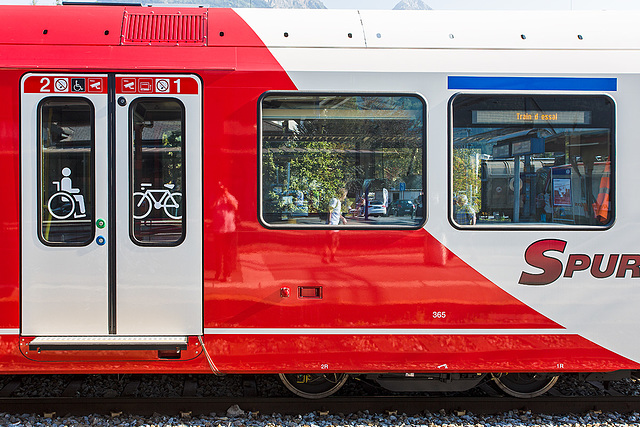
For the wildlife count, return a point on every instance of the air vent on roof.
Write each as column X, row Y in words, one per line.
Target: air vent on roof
column 165, row 28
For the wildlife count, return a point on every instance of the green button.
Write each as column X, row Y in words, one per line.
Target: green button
column 100, row 223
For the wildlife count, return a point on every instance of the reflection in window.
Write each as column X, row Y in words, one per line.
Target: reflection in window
column 553, row 152
column 66, row 171
column 316, row 146
column 157, row 193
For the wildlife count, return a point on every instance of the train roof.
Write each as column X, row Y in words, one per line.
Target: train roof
column 295, row 28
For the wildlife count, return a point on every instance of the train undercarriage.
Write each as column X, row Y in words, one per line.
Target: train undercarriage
column 521, row 385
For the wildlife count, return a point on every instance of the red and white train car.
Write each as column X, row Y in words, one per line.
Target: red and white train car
column 448, row 195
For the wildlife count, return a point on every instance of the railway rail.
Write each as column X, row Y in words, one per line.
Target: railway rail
column 390, row 405
column 181, row 396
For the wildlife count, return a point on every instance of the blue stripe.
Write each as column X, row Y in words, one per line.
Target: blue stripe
column 534, row 83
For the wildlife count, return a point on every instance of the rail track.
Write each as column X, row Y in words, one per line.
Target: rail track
column 190, row 406
column 182, row 396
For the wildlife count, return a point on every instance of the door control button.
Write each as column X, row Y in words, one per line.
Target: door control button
column 100, row 240
column 100, row 223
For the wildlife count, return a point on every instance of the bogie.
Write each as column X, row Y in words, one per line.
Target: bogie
column 314, row 386
column 525, row 385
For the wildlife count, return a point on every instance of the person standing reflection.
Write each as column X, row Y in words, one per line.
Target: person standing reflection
column 335, row 208
column 463, row 213
column 335, row 218
column 224, row 225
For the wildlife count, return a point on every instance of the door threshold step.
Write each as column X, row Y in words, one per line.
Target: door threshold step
column 107, row 342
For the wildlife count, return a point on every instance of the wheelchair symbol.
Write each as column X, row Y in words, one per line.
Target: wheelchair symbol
column 78, row 85
column 66, row 200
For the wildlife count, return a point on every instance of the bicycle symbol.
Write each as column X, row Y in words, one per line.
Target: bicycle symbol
column 148, row 199
column 62, row 204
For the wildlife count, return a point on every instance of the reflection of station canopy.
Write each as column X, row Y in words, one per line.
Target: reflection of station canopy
column 499, row 137
column 584, row 145
column 548, row 140
column 368, row 144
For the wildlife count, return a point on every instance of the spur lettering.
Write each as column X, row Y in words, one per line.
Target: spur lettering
column 540, row 255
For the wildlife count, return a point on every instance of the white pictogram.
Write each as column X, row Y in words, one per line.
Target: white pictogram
column 95, row 85
column 61, row 85
column 162, row 85
column 62, row 204
column 148, row 199
column 128, row 85
column 78, row 85
column 145, row 85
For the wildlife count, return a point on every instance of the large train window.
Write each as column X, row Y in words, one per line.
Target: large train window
column 532, row 160
column 66, row 171
column 330, row 160
column 158, row 173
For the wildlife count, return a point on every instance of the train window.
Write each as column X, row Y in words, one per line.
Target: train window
column 157, row 172
column 342, row 160
column 554, row 152
column 66, row 171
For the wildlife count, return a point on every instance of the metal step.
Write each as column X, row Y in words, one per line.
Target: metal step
column 109, row 343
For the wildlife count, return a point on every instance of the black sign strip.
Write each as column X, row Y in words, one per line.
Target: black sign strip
column 111, row 149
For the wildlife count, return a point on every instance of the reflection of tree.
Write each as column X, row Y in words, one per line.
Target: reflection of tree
column 312, row 167
column 173, row 159
column 466, row 178
column 352, row 139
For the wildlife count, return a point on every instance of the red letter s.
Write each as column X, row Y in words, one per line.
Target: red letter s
column 551, row 267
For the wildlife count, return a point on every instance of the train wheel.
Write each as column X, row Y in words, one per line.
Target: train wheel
column 525, row 385
column 314, row 386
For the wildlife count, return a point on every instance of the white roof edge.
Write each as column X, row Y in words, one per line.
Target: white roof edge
column 444, row 29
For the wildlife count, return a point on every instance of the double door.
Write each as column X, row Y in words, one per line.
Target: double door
column 111, row 210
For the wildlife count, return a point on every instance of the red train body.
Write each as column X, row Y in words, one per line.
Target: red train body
column 379, row 296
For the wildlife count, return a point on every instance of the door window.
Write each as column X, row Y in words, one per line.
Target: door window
column 66, row 171
column 158, row 173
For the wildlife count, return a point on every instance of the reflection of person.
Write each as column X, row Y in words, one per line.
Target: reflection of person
column 540, row 205
column 463, row 213
column 335, row 218
column 335, row 208
column 67, row 185
column 359, row 209
column 225, row 217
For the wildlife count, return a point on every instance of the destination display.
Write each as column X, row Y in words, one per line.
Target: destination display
column 508, row 117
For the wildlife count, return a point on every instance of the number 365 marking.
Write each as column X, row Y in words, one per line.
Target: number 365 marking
column 439, row 314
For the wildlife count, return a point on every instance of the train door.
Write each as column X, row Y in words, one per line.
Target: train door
column 159, row 205
column 111, row 210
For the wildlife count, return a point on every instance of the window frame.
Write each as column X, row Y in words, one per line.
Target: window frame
column 39, row 170
column 130, row 175
column 531, row 226
column 286, row 226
